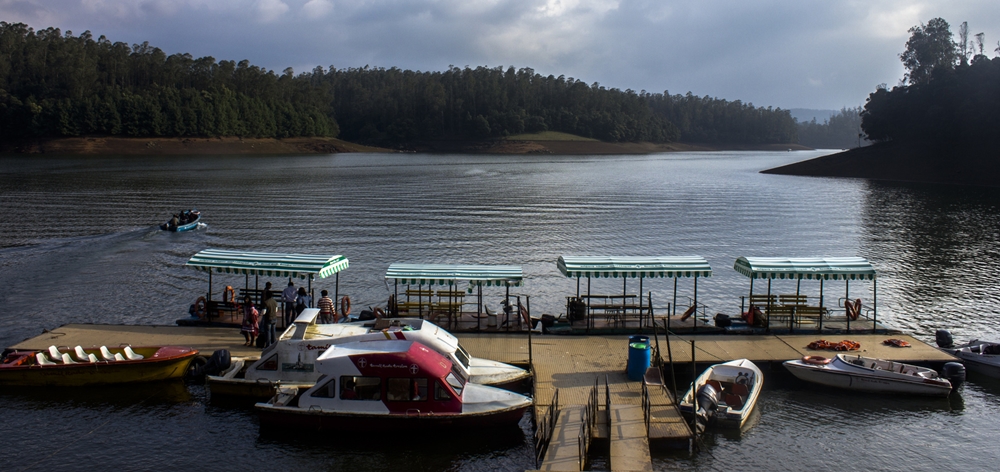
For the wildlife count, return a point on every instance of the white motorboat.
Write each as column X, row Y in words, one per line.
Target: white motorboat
column 868, row 374
column 978, row 356
column 291, row 361
column 391, row 386
column 726, row 394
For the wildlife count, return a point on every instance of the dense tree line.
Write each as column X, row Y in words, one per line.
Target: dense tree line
column 944, row 97
column 63, row 85
column 54, row 84
column 840, row 131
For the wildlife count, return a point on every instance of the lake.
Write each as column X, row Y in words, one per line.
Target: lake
column 81, row 245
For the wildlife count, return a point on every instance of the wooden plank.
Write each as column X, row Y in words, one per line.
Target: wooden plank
column 629, row 444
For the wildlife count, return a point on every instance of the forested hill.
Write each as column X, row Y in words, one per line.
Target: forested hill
column 56, row 85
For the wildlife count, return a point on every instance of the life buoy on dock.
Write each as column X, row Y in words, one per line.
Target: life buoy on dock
column 379, row 314
column 853, row 309
column 687, row 313
column 229, row 295
column 345, row 305
column 816, row 360
column 200, row 307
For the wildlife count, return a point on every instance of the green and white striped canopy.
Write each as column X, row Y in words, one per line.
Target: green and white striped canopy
column 444, row 274
column 267, row 264
column 826, row 268
column 634, row 267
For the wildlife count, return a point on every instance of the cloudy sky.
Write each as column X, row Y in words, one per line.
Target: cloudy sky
column 788, row 54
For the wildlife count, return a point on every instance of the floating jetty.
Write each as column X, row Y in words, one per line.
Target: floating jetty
column 582, row 393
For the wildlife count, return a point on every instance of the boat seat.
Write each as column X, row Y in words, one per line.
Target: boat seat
column 131, row 355
column 716, row 385
column 739, row 389
column 67, row 360
column 734, row 401
column 106, row 354
column 80, row 355
column 119, row 357
column 43, row 359
column 54, row 353
column 92, row 358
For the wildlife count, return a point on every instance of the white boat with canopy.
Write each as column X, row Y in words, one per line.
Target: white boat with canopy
column 768, row 308
column 630, row 267
column 291, row 361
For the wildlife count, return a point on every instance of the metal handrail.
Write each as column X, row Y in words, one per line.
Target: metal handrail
column 543, row 433
column 646, row 406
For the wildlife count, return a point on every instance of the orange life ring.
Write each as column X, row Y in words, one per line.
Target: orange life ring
column 201, row 307
column 379, row 314
column 687, row 314
column 229, row 295
column 345, row 305
column 816, row 360
column 853, row 309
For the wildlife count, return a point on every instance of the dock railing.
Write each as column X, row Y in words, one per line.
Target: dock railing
column 543, row 433
column 646, row 409
column 589, row 419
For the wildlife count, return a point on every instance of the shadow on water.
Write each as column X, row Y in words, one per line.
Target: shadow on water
column 102, row 397
column 945, row 245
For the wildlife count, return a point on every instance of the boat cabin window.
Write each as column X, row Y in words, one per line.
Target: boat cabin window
column 463, row 356
column 270, row 364
column 456, row 382
column 406, row 390
column 327, row 390
column 360, row 388
column 441, row 392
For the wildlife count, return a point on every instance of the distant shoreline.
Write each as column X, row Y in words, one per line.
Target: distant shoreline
column 235, row 145
column 962, row 164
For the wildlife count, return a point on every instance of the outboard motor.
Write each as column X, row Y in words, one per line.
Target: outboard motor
column 708, row 402
column 955, row 373
column 943, row 338
column 219, row 361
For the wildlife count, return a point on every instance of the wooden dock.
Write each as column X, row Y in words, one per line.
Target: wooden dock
column 573, row 365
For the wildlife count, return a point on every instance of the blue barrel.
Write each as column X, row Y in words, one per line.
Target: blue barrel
column 638, row 356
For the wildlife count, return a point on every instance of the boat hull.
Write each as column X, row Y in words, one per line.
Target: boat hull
column 860, row 380
column 150, row 369
column 971, row 354
column 291, row 418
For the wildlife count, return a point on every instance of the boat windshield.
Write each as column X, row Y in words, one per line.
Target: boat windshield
column 456, row 381
column 463, row 356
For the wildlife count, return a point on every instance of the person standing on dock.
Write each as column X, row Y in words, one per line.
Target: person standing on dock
column 269, row 319
column 327, row 313
column 302, row 301
column 250, row 327
column 288, row 296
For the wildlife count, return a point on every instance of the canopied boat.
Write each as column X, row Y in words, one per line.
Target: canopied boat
column 726, row 394
column 184, row 221
column 95, row 366
column 978, row 356
column 390, row 385
column 291, row 361
column 868, row 374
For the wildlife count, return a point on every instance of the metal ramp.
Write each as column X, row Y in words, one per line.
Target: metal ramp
column 629, row 442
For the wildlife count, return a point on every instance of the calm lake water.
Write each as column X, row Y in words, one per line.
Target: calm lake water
column 80, row 245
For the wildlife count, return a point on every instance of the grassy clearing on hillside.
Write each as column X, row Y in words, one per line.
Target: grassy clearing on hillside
column 549, row 136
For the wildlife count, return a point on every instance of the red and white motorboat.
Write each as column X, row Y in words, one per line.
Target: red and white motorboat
column 291, row 360
column 390, row 385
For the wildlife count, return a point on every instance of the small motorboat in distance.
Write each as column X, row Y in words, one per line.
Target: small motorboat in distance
column 94, row 366
column 183, row 221
column 868, row 374
column 391, row 386
column 979, row 356
column 726, row 394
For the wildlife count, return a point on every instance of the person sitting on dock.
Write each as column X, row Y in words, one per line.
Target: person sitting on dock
column 288, row 296
column 327, row 313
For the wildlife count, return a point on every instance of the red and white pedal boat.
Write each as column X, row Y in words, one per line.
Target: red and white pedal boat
column 291, row 360
column 390, row 385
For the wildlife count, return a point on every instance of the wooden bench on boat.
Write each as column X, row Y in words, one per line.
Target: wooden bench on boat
column 793, row 299
column 762, row 301
column 257, row 295
column 809, row 314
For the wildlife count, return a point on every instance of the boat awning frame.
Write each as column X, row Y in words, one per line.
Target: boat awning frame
column 634, row 267
column 809, row 268
column 446, row 274
column 303, row 266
